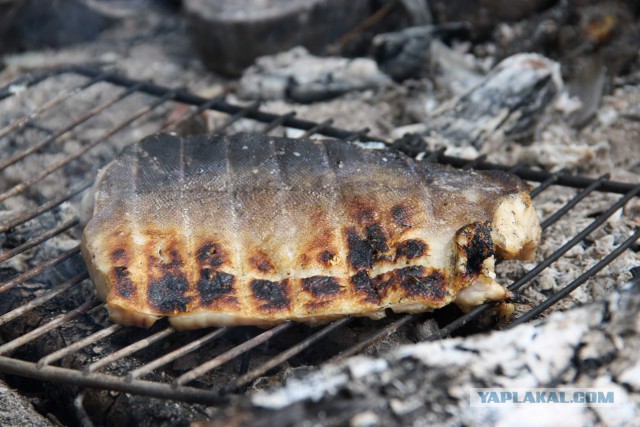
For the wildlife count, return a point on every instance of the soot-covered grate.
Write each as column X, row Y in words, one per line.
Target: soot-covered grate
column 59, row 128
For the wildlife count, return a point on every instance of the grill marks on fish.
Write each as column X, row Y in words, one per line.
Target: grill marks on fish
column 364, row 289
column 412, row 282
column 167, row 295
column 276, row 228
column 475, row 245
column 410, row 249
column 123, row 283
column 272, row 296
column 216, row 287
column 168, row 284
column 211, row 255
column 401, row 216
column 321, row 286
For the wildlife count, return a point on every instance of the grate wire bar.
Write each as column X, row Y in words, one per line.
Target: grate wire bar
column 88, row 375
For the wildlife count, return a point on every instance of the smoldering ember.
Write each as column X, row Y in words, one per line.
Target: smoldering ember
column 548, row 90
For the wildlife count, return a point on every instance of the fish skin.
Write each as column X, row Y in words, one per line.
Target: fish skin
column 250, row 229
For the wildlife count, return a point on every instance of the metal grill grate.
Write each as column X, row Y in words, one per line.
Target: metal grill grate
column 38, row 137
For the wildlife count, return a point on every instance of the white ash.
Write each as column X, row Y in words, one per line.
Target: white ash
column 608, row 144
column 596, row 246
column 302, row 77
column 17, row 410
column 378, row 110
column 351, row 111
column 593, row 346
column 509, row 101
column 604, row 146
column 79, row 137
column 455, row 72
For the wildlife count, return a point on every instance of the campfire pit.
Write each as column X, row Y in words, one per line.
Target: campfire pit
column 55, row 330
column 62, row 125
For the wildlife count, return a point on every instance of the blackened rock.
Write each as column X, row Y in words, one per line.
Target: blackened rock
column 231, row 34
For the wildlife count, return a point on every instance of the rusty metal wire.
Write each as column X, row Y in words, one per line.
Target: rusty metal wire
column 88, row 376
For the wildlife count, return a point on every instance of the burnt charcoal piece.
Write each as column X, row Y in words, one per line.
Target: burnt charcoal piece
column 411, row 144
column 508, row 102
column 405, row 54
column 484, row 15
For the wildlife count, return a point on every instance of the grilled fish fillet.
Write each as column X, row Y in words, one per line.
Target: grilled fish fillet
column 253, row 230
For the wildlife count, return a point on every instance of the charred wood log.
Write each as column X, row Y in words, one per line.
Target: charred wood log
column 508, row 102
column 230, row 35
